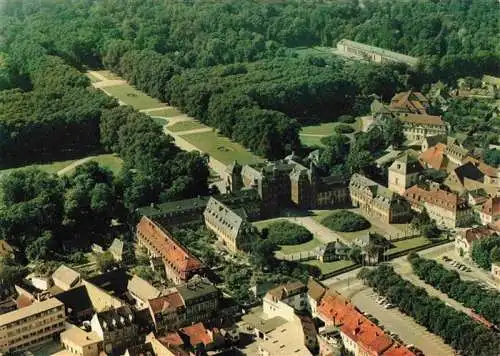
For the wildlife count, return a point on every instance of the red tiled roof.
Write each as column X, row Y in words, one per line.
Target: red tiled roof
column 172, row 338
column 434, row 156
column 167, row 302
column 492, row 206
column 439, row 198
column 422, row 119
column 166, row 245
column 198, row 334
column 409, row 100
column 335, row 307
column 398, row 350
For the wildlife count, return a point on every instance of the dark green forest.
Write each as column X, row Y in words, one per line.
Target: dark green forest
column 232, row 64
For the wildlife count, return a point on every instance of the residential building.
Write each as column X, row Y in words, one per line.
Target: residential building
column 200, row 298
column 180, row 265
column 490, row 213
column 230, row 226
column 66, row 278
column 403, row 173
column 455, row 152
column 477, row 197
column 416, row 127
column 167, row 312
column 198, row 335
column 409, row 102
column 142, row 349
column 79, row 342
column 315, row 291
column 447, row 209
column 378, row 201
column 458, row 178
column 431, row 141
column 373, row 247
column 116, row 328
column 77, row 304
column 31, row 326
column 288, row 339
column 284, row 300
column 466, row 238
column 141, row 291
column 329, row 341
column 374, row 54
column 333, row 251
column 435, row 157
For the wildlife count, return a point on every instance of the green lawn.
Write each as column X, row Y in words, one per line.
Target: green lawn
column 167, row 112
column 325, row 129
column 221, row 148
column 306, row 246
column 109, row 75
column 110, row 161
column 186, row 126
column 329, row 267
column 131, row 96
column 315, row 51
column 408, row 244
column 311, row 141
column 265, row 223
column 160, row 120
column 53, row 167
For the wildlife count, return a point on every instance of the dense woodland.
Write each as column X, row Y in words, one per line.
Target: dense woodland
column 231, row 64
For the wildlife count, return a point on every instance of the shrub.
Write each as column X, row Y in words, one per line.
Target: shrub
column 345, row 221
column 343, row 129
column 347, row 119
column 287, row 233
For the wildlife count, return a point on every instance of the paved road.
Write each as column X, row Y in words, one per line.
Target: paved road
column 323, row 234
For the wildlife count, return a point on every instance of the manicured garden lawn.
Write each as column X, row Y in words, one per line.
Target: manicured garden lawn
column 160, row 120
column 408, row 244
column 221, row 148
column 167, row 112
column 131, row 96
column 109, row 75
column 311, row 141
column 320, row 129
column 186, row 126
column 307, row 246
column 110, row 161
column 329, row 267
column 53, row 167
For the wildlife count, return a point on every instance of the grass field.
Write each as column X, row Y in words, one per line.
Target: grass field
column 110, row 161
column 325, row 129
column 131, row 96
column 316, row 51
column 408, row 244
column 167, row 112
column 329, row 267
column 306, row 246
column 160, row 120
column 311, row 141
column 53, row 167
column 109, row 75
column 186, row 126
column 221, row 148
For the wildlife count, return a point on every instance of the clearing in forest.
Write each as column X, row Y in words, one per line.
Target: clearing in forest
column 128, row 95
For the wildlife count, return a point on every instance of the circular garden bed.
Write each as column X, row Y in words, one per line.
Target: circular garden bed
column 287, row 233
column 345, row 221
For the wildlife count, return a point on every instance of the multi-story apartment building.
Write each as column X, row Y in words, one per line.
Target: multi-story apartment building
column 30, row 326
column 116, row 327
column 201, row 299
column 445, row 208
column 378, row 201
column 230, row 226
column 490, row 212
column 284, row 300
column 168, row 312
column 180, row 265
column 416, row 126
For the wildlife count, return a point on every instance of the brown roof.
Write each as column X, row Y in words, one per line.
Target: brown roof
column 169, row 302
column 168, row 247
column 483, row 167
column 441, row 198
column 477, row 233
column 172, row 338
column 315, row 289
column 286, row 290
column 434, row 157
column 409, row 100
column 422, row 119
column 492, row 206
column 198, row 334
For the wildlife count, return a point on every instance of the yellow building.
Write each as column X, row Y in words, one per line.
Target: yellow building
column 30, row 326
column 79, row 342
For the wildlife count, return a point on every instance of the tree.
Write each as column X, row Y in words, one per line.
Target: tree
column 42, row 248
column 482, row 251
column 360, row 161
column 345, row 221
column 393, row 133
column 287, row 233
column 105, row 261
column 492, row 157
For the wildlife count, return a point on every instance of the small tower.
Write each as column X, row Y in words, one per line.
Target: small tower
column 234, row 178
column 403, row 173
